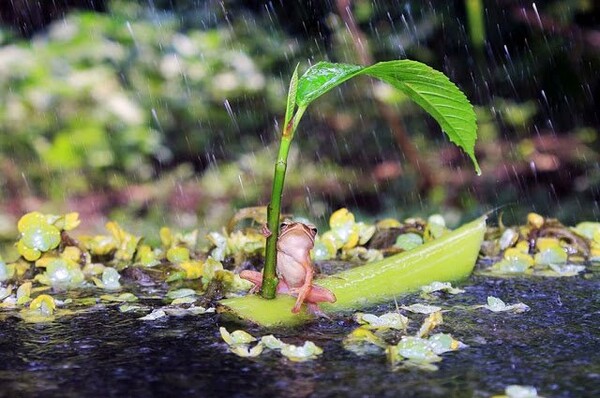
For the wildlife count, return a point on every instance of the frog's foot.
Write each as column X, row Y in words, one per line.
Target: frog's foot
column 254, row 277
column 265, row 230
column 302, row 294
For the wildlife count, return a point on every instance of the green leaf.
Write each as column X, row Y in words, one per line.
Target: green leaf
column 429, row 88
column 291, row 99
column 322, row 77
column 373, row 283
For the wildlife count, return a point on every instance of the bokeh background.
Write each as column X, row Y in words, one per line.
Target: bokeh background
column 167, row 112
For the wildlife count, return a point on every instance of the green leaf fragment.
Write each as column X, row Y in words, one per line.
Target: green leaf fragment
column 587, row 229
column 302, row 353
column 184, row 300
column 236, row 337
column 323, row 250
column 417, row 349
column 563, row 270
column 441, row 287
column 239, row 340
column 178, row 255
column 421, row 308
column 121, row 298
column 408, row 241
column 42, row 237
column 551, row 255
column 180, row 293
column 495, row 304
column 291, row 99
column 512, row 265
column 441, row 343
column 62, row 274
column 29, row 220
column 516, row 391
column 154, row 315
column 130, row 308
column 436, row 227
column 220, row 243
column 199, row 310
column 436, row 219
column 390, row 320
column 272, row 342
column 110, row 278
column 146, row 256
column 508, row 238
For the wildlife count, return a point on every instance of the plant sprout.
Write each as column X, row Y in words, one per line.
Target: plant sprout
column 429, row 88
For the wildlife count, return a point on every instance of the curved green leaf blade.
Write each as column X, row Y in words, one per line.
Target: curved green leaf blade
column 429, row 88
column 291, row 99
column 449, row 258
column 435, row 93
column 322, row 77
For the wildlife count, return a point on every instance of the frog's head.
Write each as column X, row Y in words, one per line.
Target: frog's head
column 297, row 231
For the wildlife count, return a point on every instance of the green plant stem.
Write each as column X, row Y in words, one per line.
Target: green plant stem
column 270, row 280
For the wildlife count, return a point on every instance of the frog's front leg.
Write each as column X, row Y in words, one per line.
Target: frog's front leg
column 265, row 230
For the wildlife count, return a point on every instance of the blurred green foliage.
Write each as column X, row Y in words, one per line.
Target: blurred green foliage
column 97, row 101
column 113, row 95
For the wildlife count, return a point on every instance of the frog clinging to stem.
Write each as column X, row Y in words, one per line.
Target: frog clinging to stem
column 294, row 266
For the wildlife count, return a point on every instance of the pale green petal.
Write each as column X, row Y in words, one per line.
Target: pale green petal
column 305, row 352
column 154, row 315
column 421, row 308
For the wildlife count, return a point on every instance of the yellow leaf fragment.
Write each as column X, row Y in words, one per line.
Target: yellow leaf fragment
column 535, row 220
column 431, row 322
column 193, row 269
column 244, row 351
column 44, row 304
column 24, row 293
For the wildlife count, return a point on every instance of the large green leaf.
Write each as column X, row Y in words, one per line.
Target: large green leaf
column 448, row 258
column 429, row 88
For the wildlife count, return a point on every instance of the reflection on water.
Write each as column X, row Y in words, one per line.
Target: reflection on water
column 555, row 347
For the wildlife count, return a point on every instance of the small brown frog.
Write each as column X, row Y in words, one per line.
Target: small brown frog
column 294, row 266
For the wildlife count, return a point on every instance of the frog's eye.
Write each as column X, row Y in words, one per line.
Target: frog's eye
column 314, row 230
column 284, row 225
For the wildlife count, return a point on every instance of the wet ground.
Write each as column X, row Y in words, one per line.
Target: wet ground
column 554, row 347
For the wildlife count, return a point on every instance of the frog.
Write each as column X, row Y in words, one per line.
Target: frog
column 295, row 268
